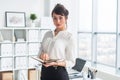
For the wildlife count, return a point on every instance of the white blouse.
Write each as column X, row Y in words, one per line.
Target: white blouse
column 61, row 46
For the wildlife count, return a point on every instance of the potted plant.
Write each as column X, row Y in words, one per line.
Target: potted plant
column 33, row 17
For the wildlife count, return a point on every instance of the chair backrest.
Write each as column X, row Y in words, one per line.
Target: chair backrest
column 80, row 63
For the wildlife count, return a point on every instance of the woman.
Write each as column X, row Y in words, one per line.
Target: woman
column 57, row 44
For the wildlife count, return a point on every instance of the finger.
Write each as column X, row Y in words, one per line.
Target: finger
column 45, row 57
column 42, row 56
column 46, row 65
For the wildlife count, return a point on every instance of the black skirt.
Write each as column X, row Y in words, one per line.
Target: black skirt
column 54, row 73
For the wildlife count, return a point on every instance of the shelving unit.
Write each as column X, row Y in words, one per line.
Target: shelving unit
column 17, row 45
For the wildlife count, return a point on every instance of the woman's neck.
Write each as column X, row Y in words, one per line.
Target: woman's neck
column 57, row 30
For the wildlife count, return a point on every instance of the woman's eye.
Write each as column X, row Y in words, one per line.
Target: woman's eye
column 60, row 18
column 54, row 18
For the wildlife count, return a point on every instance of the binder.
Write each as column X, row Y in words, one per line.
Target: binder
column 33, row 48
column 6, row 49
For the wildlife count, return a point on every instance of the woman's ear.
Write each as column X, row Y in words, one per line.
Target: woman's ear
column 66, row 17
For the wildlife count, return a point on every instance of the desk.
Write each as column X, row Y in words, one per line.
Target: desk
column 38, row 68
column 81, row 75
column 85, row 79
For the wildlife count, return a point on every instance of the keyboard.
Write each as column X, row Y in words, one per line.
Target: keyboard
column 74, row 74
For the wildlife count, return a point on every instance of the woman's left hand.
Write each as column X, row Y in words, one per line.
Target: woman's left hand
column 49, row 64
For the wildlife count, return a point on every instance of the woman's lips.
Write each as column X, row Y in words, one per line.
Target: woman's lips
column 58, row 24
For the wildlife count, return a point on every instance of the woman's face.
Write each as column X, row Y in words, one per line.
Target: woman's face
column 59, row 21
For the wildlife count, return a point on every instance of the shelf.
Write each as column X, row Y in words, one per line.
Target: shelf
column 25, row 28
column 6, row 56
column 17, row 46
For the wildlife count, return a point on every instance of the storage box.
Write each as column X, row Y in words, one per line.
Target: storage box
column 32, row 74
column 8, row 75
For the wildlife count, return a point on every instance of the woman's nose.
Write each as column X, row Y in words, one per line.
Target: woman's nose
column 58, row 21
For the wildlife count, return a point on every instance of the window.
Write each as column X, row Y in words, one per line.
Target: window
column 85, row 46
column 98, row 36
column 106, row 49
column 106, row 15
column 85, row 16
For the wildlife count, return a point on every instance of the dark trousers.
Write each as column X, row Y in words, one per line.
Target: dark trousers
column 54, row 73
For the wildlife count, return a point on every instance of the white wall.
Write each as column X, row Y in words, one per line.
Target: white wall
column 41, row 8
column 27, row 6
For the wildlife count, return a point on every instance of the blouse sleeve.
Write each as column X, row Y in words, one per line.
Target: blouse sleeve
column 70, row 53
column 40, row 49
column 41, row 46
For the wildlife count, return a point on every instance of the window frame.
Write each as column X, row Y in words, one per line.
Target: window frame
column 94, row 36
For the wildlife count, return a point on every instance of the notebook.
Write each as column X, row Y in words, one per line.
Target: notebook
column 47, row 61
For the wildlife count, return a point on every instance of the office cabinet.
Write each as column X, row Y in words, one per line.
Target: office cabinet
column 17, row 46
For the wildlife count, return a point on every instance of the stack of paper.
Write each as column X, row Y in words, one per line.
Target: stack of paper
column 20, row 34
column 7, row 34
column 20, row 40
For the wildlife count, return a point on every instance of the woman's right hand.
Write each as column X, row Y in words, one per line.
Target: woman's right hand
column 44, row 56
